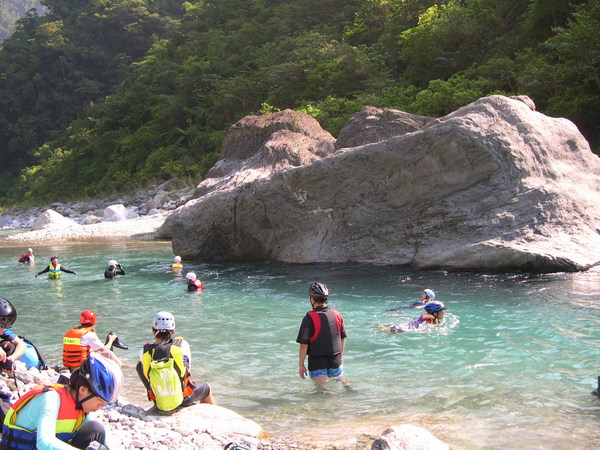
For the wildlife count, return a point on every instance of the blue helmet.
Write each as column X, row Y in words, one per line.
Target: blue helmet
column 104, row 376
column 429, row 293
column 433, row 307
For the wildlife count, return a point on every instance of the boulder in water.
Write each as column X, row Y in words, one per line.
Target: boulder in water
column 492, row 186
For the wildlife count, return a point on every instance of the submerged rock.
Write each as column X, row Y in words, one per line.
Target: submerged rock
column 492, row 186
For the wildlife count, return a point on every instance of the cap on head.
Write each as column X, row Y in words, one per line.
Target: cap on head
column 429, row 293
column 163, row 320
column 434, row 306
column 112, row 262
column 29, row 250
column 88, row 317
column 177, row 259
column 191, row 276
column 8, row 313
column 318, row 290
column 53, row 257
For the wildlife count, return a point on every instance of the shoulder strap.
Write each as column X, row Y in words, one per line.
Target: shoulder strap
column 316, row 323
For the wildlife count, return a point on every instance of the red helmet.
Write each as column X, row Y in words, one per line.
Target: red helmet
column 88, row 317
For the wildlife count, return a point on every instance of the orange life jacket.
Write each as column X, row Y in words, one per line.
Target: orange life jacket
column 68, row 421
column 73, row 352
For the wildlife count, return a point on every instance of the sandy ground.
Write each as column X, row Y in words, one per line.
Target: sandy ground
column 142, row 227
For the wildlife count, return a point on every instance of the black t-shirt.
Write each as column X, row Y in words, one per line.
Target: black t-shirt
column 331, row 331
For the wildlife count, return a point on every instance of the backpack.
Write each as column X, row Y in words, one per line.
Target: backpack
column 165, row 379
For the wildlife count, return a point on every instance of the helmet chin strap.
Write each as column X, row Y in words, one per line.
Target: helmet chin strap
column 79, row 403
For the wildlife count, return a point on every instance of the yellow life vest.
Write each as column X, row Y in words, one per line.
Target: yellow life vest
column 53, row 272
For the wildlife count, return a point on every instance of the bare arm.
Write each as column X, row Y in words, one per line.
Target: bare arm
column 301, row 367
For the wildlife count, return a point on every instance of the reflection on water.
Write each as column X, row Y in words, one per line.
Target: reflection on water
column 511, row 366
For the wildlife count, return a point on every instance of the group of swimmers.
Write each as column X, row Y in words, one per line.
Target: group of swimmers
column 434, row 313
column 114, row 269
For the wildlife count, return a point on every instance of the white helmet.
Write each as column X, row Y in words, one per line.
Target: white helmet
column 163, row 321
column 177, row 259
column 191, row 276
column 29, row 250
column 112, row 262
column 429, row 293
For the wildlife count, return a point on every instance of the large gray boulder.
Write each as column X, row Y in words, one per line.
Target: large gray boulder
column 492, row 186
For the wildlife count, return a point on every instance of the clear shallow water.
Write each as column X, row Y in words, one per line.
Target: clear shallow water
column 513, row 366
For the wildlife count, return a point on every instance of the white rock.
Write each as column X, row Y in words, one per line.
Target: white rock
column 408, row 437
column 52, row 219
column 115, row 213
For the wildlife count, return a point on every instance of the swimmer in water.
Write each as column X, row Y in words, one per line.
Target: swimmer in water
column 433, row 316
column 426, row 296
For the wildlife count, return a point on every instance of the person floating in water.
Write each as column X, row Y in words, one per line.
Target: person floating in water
column 322, row 337
column 27, row 258
column 177, row 263
column 426, row 296
column 54, row 269
column 113, row 269
column 193, row 282
column 433, row 316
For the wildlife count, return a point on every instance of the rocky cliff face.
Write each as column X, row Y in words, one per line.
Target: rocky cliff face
column 492, row 186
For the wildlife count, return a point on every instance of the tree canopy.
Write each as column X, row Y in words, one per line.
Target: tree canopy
column 104, row 95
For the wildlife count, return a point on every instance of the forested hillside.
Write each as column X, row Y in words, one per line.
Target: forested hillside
column 108, row 96
column 12, row 10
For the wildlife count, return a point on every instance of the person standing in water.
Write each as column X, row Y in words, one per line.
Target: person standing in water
column 113, row 269
column 322, row 337
column 27, row 258
column 177, row 265
column 194, row 283
column 54, row 269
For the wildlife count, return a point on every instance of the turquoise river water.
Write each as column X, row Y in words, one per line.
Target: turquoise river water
column 512, row 366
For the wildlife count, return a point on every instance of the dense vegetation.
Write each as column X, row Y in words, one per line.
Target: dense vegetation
column 12, row 10
column 108, row 95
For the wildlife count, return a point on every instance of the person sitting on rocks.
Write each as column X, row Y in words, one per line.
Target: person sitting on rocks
column 113, row 269
column 80, row 341
column 164, row 368
column 193, row 282
column 27, row 258
column 54, row 269
column 56, row 416
column 11, row 346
